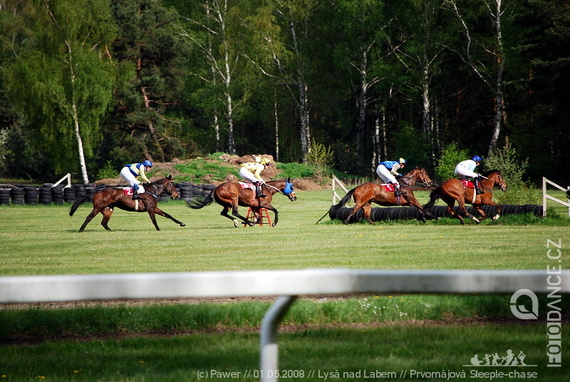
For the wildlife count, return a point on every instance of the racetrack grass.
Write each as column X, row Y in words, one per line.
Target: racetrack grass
column 337, row 354
column 38, row 240
column 44, row 240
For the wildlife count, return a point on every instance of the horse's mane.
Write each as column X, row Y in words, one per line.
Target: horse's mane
column 489, row 172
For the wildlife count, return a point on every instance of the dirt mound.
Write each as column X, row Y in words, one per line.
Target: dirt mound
column 162, row 169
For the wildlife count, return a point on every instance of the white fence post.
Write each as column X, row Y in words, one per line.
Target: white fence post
column 545, row 195
column 269, row 357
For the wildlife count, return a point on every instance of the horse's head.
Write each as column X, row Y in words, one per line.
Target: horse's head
column 497, row 179
column 417, row 174
column 288, row 190
column 166, row 185
column 423, row 176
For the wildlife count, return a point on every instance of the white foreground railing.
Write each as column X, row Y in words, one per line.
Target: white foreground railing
column 285, row 283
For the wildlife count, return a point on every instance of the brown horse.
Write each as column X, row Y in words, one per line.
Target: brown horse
column 367, row 193
column 230, row 195
column 453, row 190
column 107, row 199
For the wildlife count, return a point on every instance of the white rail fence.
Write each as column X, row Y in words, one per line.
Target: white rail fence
column 545, row 196
column 288, row 284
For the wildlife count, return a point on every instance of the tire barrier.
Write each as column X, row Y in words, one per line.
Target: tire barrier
column 47, row 194
column 408, row 213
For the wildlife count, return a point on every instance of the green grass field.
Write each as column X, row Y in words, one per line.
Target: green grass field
column 332, row 337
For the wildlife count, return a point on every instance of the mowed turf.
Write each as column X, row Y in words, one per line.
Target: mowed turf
column 40, row 240
column 424, row 335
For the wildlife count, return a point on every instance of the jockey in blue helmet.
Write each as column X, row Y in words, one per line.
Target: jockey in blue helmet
column 131, row 173
column 466, row 170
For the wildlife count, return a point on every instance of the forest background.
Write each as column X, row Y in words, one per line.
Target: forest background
column 92, row 84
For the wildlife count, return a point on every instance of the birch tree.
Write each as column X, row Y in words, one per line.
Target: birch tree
column 60, row 75
column 490, row 74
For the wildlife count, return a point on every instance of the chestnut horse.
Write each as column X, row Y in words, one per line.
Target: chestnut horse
column 230, row 195
column 367, row 193
column 453, row 190
column 107, row 199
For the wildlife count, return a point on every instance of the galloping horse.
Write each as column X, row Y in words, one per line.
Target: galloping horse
column 230, row 195
column 453, row 190
column 367, row 193
column 107, row 199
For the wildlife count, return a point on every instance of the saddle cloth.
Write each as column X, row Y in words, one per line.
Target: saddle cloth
column 247, row 186
column 388, row 187
column 467, row 183
column 128, row 191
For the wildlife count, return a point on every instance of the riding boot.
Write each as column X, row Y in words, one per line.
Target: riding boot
column 259, row 191
column 136, row 194
column 397, row 191
column 477, row 184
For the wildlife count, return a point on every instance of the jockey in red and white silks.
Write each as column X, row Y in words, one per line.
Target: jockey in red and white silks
column 466, row 168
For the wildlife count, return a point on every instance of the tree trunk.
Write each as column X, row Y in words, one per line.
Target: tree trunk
column 151, row 128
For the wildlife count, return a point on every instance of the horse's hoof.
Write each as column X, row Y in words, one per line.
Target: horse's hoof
column 496, row 217
column 236, row 223
column 182, row 225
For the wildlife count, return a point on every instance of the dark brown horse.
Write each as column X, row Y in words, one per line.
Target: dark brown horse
column 107, row 199
column 453, row 190
column 367, row 193
column 230, row 195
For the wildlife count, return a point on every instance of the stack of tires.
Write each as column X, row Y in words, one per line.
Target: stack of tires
column 407, row 213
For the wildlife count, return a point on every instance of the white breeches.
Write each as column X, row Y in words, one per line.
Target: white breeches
column 131, row 179
column 385, row 174
column 464, row 173
column 248, row 175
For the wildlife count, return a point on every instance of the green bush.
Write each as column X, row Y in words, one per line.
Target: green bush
column 107, row 171
column 513, row 171
column 451, row 155
column 321, row 158
column 295, row 170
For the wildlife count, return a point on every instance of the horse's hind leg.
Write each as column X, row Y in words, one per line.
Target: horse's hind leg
column 237, row 214
column 107, row 212
column 367, row 211
column 89, row 218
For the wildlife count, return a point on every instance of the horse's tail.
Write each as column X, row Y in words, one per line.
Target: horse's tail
column 433, row 197
column 200, row 203
column 344, row 200
column 77, row 203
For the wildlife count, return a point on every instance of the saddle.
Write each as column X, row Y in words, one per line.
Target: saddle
column 128, row 191
column 247, row 186
column 388, row 187
column 467, row 183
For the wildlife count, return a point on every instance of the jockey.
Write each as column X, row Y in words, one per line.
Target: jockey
column 388, row 171
column 252, row 171
column 131, row 173
column 466, row 170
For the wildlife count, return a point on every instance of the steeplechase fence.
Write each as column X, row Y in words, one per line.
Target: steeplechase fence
column 287, row 284
column 546, row 197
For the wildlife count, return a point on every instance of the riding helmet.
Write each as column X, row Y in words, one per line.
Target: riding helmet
column 403, row 161
column 477, row 158
column 147, row 163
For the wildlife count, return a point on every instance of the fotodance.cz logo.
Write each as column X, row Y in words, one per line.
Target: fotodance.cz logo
column 521, row 311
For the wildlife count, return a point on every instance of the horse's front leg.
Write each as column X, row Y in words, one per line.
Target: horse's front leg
column 414, row 202
column 162, row 213
column 463, row 209
column 153, row 218
column 490, row 202
column 276, row 219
